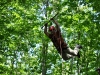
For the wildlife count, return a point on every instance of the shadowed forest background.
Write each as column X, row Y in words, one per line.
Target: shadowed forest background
column 26, row 50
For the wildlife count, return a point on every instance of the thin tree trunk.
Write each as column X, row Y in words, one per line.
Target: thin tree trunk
column 44, row 52
column 45, row 46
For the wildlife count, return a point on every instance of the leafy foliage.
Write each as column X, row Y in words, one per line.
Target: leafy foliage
column 24, row 48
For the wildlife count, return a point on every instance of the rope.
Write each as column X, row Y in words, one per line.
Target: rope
column 49, row 20
column 60, row 45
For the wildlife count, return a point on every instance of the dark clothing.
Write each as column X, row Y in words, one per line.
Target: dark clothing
column 58, row 41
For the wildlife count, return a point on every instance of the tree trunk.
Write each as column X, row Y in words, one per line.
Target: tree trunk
column 45, row 45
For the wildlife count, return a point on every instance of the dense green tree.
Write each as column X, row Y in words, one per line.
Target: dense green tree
column 24, row 48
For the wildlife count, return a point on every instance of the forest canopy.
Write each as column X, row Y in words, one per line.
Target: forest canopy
column 26, row 50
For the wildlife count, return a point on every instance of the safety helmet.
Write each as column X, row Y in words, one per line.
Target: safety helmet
column 51, row 28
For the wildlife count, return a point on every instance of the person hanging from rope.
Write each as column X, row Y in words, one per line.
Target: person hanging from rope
column 54, row 33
